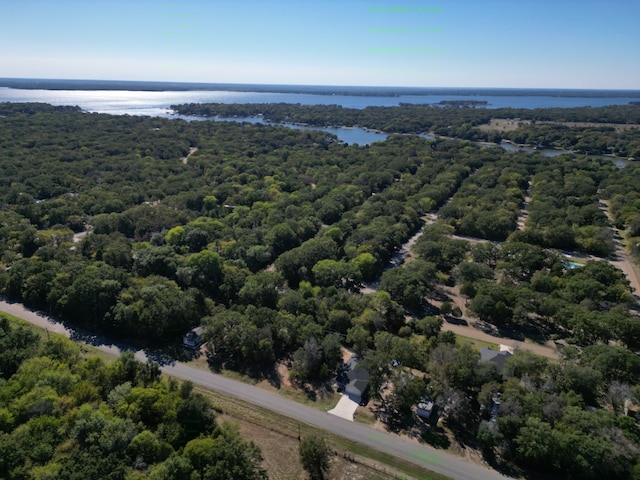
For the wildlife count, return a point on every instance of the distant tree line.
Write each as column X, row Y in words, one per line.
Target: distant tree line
column 459, row 119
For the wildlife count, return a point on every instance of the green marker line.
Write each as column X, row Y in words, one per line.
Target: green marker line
column 426, row 456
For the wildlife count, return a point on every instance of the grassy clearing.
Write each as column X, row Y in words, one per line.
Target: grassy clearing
column 276, row 446
column 284, row 432
column 502, row 125
column 363, row 415
column 474, row 343
column 323, row 401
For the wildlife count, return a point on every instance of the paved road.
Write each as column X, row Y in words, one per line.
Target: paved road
column 446, row 464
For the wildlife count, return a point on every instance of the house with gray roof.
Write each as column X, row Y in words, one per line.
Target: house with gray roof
column 498, row 358
column 358, row 383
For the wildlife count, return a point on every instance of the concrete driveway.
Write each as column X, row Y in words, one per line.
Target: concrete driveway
column 345, row 408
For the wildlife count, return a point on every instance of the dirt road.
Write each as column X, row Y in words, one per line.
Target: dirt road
column 471, row 332
column 623, row 260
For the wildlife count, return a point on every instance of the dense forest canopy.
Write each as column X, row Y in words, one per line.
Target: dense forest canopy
column 142, row 228
column 65, row 416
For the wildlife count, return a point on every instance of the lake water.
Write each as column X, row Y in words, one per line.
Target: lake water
column 135, row 102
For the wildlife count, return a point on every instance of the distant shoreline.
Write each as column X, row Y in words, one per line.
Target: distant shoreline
column 120, row 85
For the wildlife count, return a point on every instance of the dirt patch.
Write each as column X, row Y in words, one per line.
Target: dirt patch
column 192, row 150
column 283, row 375
column 347, row 353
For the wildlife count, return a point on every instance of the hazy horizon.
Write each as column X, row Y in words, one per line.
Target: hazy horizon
column 11, row 82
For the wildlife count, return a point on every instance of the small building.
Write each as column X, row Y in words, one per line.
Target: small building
column 358, row 383
column 424, row 408
column 193, row 339
column 498, row 358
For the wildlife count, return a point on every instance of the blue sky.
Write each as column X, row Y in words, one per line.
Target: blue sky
column 441, row 43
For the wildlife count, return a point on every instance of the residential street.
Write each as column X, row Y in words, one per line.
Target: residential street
column 450, row 465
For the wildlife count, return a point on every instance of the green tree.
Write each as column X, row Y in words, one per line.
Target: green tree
column 359, row 337
column 366, row 263
column 261, row 289
column 307, row 362
column 16, row 345
column 408, row 285
column 207, row 270
column 174, row 468
column 534, row 443
column 315, row 455
column 338, row 274
column 145, row 446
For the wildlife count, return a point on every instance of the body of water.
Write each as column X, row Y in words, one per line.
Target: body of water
column 348, row 135
column 156, row 103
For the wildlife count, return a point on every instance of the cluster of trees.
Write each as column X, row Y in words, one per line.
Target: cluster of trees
column 519, row 285
column 567, row 419
column 586, row 304
column 588, row 140
column 406, row 118
column 564, row 211
column 324, row 214
column 536, row 414
column 488, row 203
column 69, row 417
column 250, row 195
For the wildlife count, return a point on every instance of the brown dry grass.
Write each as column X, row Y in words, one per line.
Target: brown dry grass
column 501, row 125
column 281, row 460
column 619, row 127
column 509, row 125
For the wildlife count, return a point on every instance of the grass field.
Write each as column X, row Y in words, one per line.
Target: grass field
column 509, row 125
column 475, row 343
column 277, row 437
